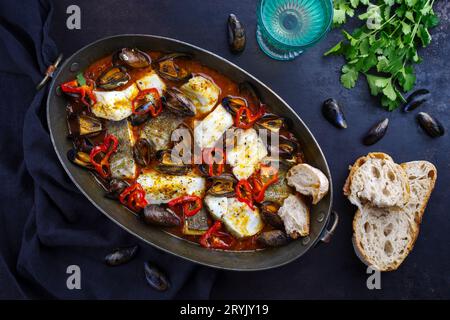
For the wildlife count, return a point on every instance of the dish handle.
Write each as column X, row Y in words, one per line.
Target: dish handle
column 49, row 73
column 330, row 227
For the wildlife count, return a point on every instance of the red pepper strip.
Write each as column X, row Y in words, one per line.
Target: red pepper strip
column 216, row 239
column 186, row 202
column 245, row 118
column 244, row 193
column 108, row 147
column 74, row 87
column 134, row 197
column 208, row 158
column 260, row 184
column 151, row 104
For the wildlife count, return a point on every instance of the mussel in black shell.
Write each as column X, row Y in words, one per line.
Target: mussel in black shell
column 143, row 152
column 121, row 256
column 115, row 188
column 80, row 158
column 274, row 238
column 171, row 165
column 236, row 34
column 416, row 99
column 223, row 185
column 156, row 215
column 269, row 214
column 155, row 277
column 430, row 125
column 113, row 78
column 178, row 103
column 132, row 58
column 168, row 68
column 333, row 112
column 376, row 132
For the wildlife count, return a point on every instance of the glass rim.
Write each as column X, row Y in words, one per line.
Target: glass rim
column 322, row 34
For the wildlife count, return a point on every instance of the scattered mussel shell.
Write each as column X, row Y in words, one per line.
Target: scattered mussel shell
column 430, row 125
column 271, row 122
column 143, row 152
column 82, row 125
column 156, row 215
column 167, row 67
column 79, row 158
column 223, row 185
column 269, row 214
column 178, row 103
column 273, row 238
column 113, row 78
column 333, row 112
column 232, row 104
column 376, row 132
column 416, row 99
column 115, row 188
column 121, row 255
column 155, row 277
column 167, row 165
column 236, row 34
column 132, row 57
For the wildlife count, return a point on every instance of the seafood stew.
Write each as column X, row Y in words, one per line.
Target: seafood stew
column 123, row 113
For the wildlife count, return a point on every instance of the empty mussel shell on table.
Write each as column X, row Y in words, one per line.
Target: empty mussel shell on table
column 132, row 57
column 168, row 68
column 113, row 77
column 115, row 188
column 143, row 152
column 333, row 112
column 273, row 238
column 155, row 277
column 171, row 164
column 223, row 185
column 376, row 132
column 416, row 99
column 156, row 215
column 80, row 158
column 121, row 255
column 269, row 214
column 178, row 103
column 430, row 125
column 236, row 34
column 83, row 125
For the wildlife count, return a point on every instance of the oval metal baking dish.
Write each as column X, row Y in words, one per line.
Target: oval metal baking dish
column 239, row 261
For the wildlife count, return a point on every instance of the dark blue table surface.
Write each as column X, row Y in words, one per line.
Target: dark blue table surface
column 332, row 270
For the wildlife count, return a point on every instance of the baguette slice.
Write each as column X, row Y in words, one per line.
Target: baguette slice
column 295, row 215
column 383, row 237
column 308, row 181
column 377, row 180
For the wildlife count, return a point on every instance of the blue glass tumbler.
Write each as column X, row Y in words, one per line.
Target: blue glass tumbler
column 287, row 27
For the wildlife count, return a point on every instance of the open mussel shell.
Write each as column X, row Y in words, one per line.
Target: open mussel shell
column 113, row 77
column 232, row 104
column 269, row 214
column 138, row 119
column 82, row 125
column 168, row 68
column 155, row 277
column 430, row 125
column 121, row 256
column 178, row 103
column 333, row 112
column 223, row 185
column 236, row 34
column 115, row 188
column 167, row 165
column 79, row 158
column 132, row 57
column 271, row 122
column 416, row 99
column 143, row 152
column 156, row 215
column 376, row 133
column 274, row 238
column 288, row 147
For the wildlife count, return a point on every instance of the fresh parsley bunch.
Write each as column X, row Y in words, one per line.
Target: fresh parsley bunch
column 384, row 49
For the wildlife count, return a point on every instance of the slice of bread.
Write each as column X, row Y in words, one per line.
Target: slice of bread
column 308, row 181
column 377, row 180
column 295, row 215
column 383, row 237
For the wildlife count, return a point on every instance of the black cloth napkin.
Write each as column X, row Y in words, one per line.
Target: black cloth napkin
column 46, row 224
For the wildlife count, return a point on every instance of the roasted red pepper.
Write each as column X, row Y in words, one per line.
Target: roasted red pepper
column 84, row 90
column 215, row 238
column 134, row 197
column 244, row 193
column 215, row 168
column 106, row 149
column 245, row 118
column 191, row 204
column 147, row 101
column 263, row 178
